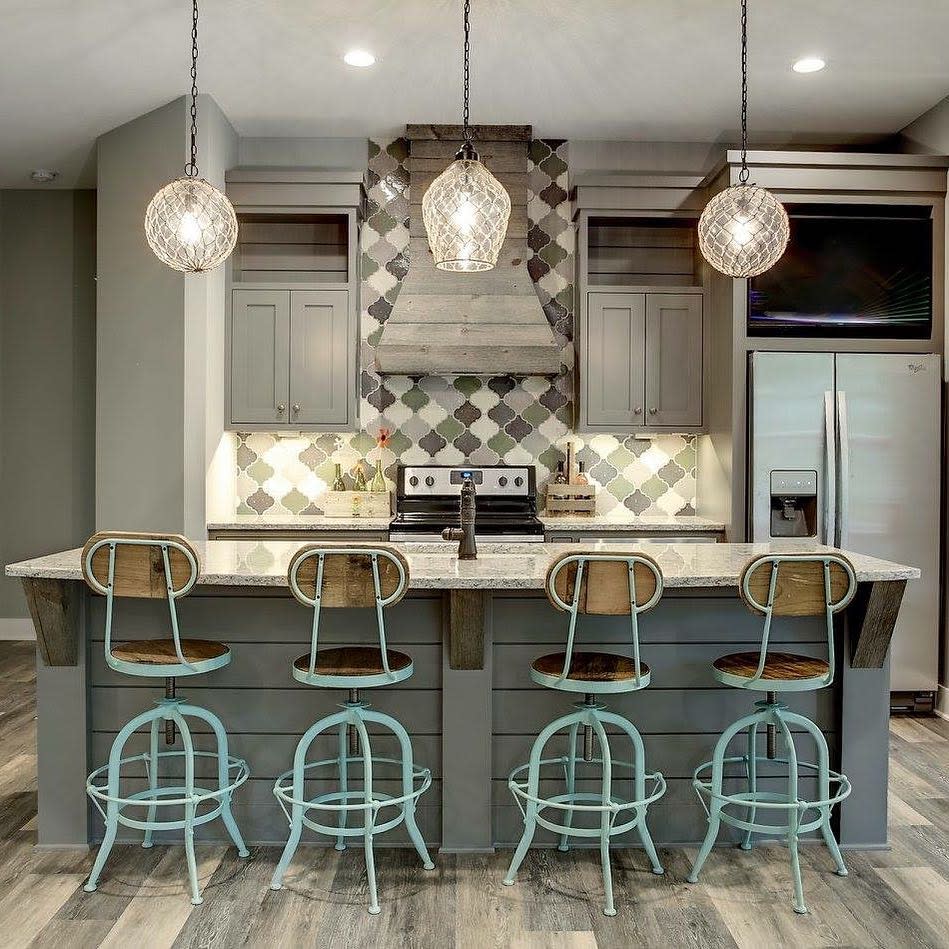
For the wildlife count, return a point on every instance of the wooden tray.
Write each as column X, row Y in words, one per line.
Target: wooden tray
column 571, row 499
column 356, row 504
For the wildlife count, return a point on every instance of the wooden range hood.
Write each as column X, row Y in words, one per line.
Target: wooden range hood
column 488, row 323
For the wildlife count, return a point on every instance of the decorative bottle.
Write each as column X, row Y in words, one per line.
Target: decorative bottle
column 359, row 479
column 378, row 484
column 580, row 478
column 338, row 483
column 560, row 477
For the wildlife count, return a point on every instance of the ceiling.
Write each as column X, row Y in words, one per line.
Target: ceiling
column 647, row 70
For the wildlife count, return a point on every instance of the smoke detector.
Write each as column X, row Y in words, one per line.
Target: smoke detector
column 43, row 176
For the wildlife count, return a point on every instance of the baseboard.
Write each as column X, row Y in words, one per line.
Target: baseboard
column 17, row 629
column 942, row 702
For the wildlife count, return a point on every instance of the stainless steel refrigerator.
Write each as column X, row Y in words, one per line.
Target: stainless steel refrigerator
column 846, row 448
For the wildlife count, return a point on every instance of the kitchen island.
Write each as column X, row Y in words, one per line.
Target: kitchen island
column 472, row 628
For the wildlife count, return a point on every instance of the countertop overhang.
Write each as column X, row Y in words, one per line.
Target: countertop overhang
column 264, row 563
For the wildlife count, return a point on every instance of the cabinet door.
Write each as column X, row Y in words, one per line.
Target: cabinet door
column 321, row 363
column 613, row 359
column 674, row 359
column 260, row 352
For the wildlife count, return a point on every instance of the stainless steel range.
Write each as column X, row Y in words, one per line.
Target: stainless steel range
column 428, row 496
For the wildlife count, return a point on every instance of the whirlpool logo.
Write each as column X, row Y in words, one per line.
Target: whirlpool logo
column 915, row 367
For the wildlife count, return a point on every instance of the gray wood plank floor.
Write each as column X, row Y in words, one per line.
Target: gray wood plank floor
column 894, row 898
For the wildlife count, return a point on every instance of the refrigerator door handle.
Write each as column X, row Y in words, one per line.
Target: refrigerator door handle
column 830, row 470
column 843, row 523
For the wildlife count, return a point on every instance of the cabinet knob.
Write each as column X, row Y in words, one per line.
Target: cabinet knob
column 281, row 407
column 638, row 410
column 653, row 410
column 296, row 407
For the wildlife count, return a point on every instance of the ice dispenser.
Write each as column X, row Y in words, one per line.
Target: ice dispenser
column 793, row 503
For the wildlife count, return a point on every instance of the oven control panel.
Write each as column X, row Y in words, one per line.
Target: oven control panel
column 440, row 480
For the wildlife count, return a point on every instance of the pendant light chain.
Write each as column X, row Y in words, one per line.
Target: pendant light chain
column 743, row 174
column 191, row 169
column 467, row 71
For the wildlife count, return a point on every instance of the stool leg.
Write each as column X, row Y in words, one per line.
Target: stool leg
column 112, row 808
column 606, row 817
column 715, row 807
column 190, row 807
column 571, row 782
column 823, row 785
column 223, row 774
column 296, row 809
column 343, row 779
column 639, row 783
column 405, row 744
column 751, row 768
column 152, row 779
column 794, row 814
column 370, row 812
column 533, row 782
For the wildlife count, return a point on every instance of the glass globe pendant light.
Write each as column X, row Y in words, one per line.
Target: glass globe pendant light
column 743, row 230
column 466, row 209
column 189, row 224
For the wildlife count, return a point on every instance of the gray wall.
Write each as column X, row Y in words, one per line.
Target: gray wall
column 47, row 380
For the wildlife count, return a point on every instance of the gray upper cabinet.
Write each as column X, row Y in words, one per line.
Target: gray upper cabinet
column 674, row 359
column 613, row 374
column 259, row 357
column 320, row 357
column 292, row 360
column 640, row 362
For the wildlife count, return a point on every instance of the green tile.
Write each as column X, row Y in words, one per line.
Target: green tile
column 502, row 443
column 449, row 428
column 295, row 501
column 467, row 385
column 260, row 471
column 415, row 399
column 535, row 414
column 654, row 488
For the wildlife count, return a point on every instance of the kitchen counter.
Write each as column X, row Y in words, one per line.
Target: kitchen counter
column 627, row 521
column 498, row 567
column 472, row 628
column 309, row 522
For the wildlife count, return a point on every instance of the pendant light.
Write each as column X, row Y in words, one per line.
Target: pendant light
column 466, row 209
column 189, row 224
column 743, row 230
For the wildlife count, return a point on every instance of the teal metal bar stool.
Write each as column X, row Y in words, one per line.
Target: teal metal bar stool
column 605, row 585
column 779, row 585
column 159, row 566
column 358, row 576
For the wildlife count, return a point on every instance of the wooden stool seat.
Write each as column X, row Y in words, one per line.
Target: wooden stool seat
column 161, row 652
column 353, row 661
column 779, row 666
column 590, row 666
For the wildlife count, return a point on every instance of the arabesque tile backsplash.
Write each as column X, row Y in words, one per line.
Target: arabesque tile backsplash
column 464, row 419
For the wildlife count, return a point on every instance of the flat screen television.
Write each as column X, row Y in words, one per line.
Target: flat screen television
column 849, row 271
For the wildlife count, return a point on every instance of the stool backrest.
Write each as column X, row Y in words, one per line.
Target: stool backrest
column 615, row 584
column 359, row 575
column 798, row 585
column 143, row 566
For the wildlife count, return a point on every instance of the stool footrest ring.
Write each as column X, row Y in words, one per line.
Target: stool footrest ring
column 767, row 800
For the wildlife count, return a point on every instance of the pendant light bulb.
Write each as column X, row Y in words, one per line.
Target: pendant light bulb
column 466, row 209
column 189, row 224
column 743, row 230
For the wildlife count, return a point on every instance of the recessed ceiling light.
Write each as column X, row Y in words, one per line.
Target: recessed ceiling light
column 359, row 57
column 43, row 175
column 809, row 64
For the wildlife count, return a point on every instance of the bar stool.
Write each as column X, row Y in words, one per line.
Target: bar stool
column 356, row 576
column 156, row 566
column 605, row 585
column 779, row 585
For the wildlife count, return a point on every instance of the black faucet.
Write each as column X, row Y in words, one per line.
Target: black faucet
column 467, row 548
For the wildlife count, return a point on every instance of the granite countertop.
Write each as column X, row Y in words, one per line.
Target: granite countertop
column 602, row 523
column 498, row 567
column 315, row 522
column 627, row 521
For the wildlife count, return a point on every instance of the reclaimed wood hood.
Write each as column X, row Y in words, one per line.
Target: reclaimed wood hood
column 488, row 323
